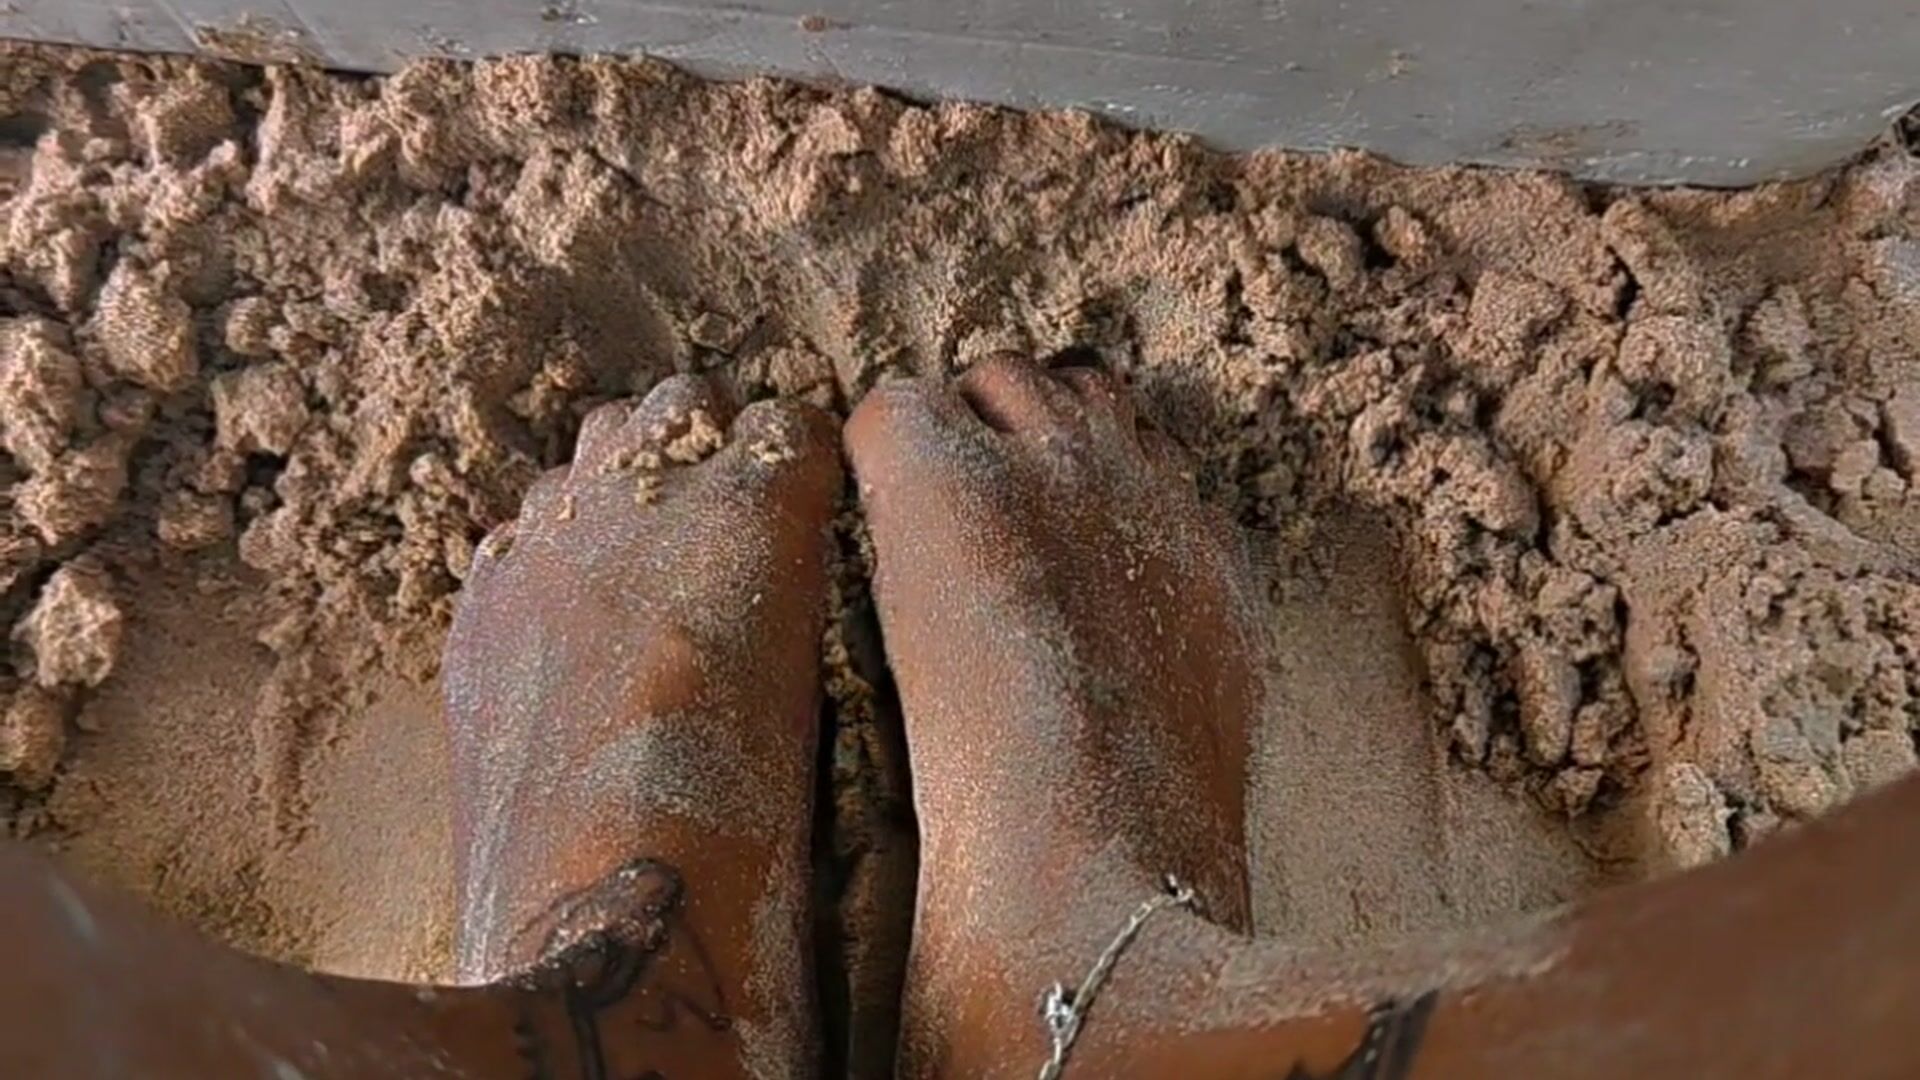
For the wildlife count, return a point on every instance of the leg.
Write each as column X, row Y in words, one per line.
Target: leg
column 632, row 689
column 1076, row 650
column 98, row 986
column 1797, row 958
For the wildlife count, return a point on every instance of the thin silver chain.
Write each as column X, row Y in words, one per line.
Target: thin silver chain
column 1064, row 1011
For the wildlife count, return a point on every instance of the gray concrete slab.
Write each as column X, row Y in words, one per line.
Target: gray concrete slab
column 1651, row 91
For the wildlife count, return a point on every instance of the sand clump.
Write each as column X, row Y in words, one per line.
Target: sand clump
column 73, row 631
column 1647, row 459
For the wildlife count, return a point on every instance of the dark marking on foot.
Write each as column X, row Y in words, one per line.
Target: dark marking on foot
column 532, row 1050
column 1394, row 1031
column 609, row 949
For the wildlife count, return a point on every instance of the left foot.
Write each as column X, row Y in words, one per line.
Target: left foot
column 633, row 684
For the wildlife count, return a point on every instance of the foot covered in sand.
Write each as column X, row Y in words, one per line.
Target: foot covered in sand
column 1071, row 629
column 632, row 689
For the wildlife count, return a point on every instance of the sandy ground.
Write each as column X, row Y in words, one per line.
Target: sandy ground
column 1589, row 517
column 161, row 800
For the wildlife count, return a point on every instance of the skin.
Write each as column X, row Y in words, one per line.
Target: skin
column 1102, row 743
column 634, row 674
column 1054, row 599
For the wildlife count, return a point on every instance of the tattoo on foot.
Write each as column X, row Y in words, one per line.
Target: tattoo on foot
column 1386, row 1052
column 623, row 963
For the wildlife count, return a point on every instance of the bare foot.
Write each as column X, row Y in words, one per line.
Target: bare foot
column 1073, row 635
column 632, row 689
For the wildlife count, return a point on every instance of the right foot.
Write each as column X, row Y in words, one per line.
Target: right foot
column 1073, row 635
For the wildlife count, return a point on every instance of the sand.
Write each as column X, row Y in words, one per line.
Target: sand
column 1589, row 517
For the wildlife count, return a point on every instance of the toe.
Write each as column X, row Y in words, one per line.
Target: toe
column 787, row 428
column 904, row 413
column 602, row 437
column 793, row 441
column 1014, row 394
column 1164, row 451
column 489, row 553
column 1104, row 400
column 684, row 419
column 545, row 499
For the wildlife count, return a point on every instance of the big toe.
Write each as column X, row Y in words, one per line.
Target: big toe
column 906, row 422
column 789, row 449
